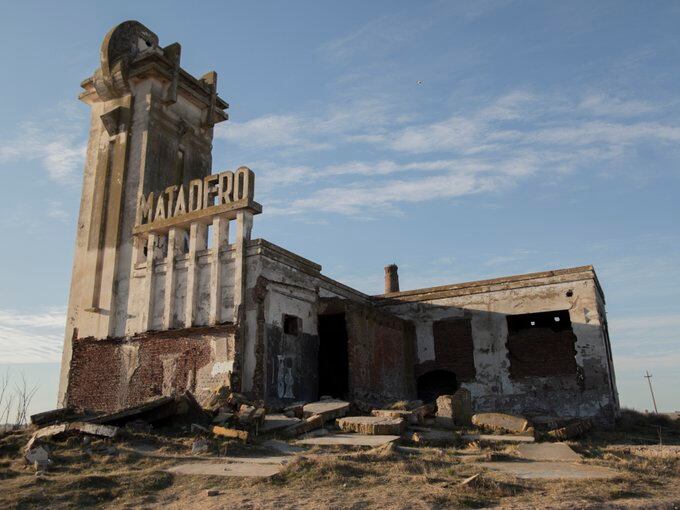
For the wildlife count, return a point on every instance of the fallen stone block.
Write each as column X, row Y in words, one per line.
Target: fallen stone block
column 330, row 409
column 243, row 435
column 294, row 410
column 307, row 425
column 454, row 409
column 372, row 425
column 245, row 414
column 498, row 438
column 201, row 446
column 501, row 421
column 39, row 454
column 572, row 430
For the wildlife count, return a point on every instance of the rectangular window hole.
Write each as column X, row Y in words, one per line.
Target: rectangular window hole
column 292, row 325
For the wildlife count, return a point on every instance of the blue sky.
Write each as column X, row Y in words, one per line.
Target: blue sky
column 461, row 140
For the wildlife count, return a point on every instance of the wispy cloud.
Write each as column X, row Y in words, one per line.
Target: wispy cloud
column 31, row 337
column 56, row 141
column 487, row 148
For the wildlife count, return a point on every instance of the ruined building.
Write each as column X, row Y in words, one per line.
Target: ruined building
column 169, row 292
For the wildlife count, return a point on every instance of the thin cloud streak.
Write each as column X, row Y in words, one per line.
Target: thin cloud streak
column 31, row 337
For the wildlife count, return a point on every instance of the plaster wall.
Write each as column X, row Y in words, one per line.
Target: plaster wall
column 591, row 392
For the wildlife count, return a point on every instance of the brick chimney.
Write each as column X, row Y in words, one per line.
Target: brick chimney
column 391, row 279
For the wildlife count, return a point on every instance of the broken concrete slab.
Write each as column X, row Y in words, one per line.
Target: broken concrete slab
column 243, row 435
column 275, row 422
column 501, row 422
column 329, row 409
column 65, row 414
column 502, row 438
column 106, row 431
column 295, row 410
column 550, row 470
column 349, row 440
column 158, row 410
column 306, row 425
column 571, row 430
column 557, row 452
column 372, row 425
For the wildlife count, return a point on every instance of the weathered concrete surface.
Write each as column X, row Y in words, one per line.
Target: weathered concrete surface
column 349, row 440
column 501, row 422
column 372, row 425
column 274, row 422
column 500, row 438
column 588, row 392
column 550, row 470
column 548, row 452
column 328, row 409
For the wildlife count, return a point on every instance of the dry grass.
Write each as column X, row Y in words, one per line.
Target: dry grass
column 388, row 477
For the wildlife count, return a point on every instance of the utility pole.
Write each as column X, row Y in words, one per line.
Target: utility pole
column 648, row 376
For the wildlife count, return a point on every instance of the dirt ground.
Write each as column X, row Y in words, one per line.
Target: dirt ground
column 111, row 474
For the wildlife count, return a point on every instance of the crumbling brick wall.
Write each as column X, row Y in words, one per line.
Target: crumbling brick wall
column 113, row 373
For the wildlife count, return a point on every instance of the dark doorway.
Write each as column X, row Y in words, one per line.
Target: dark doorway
column 435, row 383
column 333, row 360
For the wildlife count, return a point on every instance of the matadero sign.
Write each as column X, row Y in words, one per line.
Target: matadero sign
column 216, row 194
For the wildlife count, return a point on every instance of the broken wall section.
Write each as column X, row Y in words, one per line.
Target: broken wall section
column 575, row 381
column 109, row 374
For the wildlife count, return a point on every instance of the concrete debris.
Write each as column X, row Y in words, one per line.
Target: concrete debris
column 74, row 427
column 40, row 454
column 223, row 417
column 329, row 409
column 501, row 422
column 428, row 436
column 243, row 435
column 294, row 410
column 308, row 424
column 276, row 422
column 160, row 410
column 471, row 481
column 196, row 428
column 572, row 430
column 413, row 416
column 372, row 425
column 245, row 414
column 258, row 417
column 56, row 416
column 454, row 409
column 201, row 446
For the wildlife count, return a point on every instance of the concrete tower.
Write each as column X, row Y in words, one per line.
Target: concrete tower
column 151, row 130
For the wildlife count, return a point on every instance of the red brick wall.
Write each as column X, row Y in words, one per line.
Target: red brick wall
column 102, row 379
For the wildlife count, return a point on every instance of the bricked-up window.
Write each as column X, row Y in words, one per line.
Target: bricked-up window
column 292, row 325
column 453, row 347
column 541, row 344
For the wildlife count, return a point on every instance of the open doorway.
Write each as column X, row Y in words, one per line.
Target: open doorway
column 333, row 358
column 436, row 382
